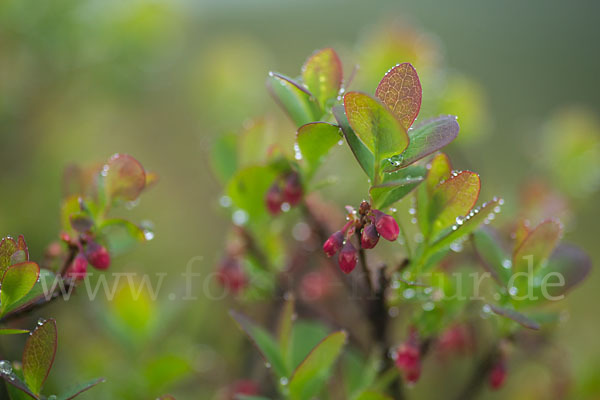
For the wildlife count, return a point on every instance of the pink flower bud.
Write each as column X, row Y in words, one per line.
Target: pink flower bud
column 274, row 199
column 497, row 375
column 369, row 237
column 333, row 244
column 386, row 226
column 242, row 387
column 292, row 192
column 97, row 255
column 231, row 275
column 408, row 359
column 347, row 258
column 78, row 268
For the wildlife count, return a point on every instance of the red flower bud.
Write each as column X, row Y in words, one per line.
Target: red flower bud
column 78, row 268
column 231, row 275
column 408, row 359
column 292, row 192
column 242, row 387
column 386, row 226
column 497, row 375
column 347, row 258
column 274, row 199
column 333, row 244
column 97, row 255
column 455, row 339
column 369, row 237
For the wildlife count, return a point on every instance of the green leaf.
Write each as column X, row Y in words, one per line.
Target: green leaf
column 164, row 371
column 224, row 156
column 76, row 390
column 428, row 137
column 363, row 155
column 17, row 389
column 314, row 142
column 322, row 75
column 307, row 334
column 400, row 90
column 311, row 374
column 12, row 331
column 537, row 246
column 295, row 99
column 124, row 177
column 453, row 198
column 375, row 126
column 264, row 342
column 248, row 188
column 515, row 316
column 120, row 235
column 439, row 170
column 38, row 355
column 457, row 231
column 493, row 257
column 370, row 395
column 8, row 246
column 46, row 279
column 396, row 185
column 285, row 333
column 18, row 280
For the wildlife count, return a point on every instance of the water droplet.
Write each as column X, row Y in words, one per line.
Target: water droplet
column 240, row 217
column 507, row 264
column 148, row 235
column 52, row 397
column 5, row 367
column 395, row 284
column 41, row 321
column 283, row 381
column 412, row 211
column 491, row 216
column 394, row 312
column 130, row 205
column 285, row 207
column 497, row 209
column 413, row 221
column 225, row 201
column 267, row 365
column 427, row 290
column 501, row 201
column 486, row 308
column 340, row 142
column 297, row 152
column 428, row 306
column 454, row 227
column 301, row 231
column 513, row 291
column 456, row 246
column 408, row 293
column 459, row 220
column 419, row 237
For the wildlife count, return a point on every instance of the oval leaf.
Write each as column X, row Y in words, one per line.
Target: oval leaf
column 38, row 355
column 375, row 126
column 315, row 140
column 8, row 247
column 124, row 177
column 537, row 246
column 572, row 263
column 76, row 390
column 311, row 374
column 363, row 155
column 453, row 198
column 492, row 255
column 295, row 100
column 400, row 90
column 427, row 138
column 18, row 280
column 322, row 75
column 397, row 185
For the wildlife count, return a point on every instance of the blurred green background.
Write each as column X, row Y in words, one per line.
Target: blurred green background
column 83, row 79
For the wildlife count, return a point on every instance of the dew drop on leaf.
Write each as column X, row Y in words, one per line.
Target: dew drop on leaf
column 5, row 367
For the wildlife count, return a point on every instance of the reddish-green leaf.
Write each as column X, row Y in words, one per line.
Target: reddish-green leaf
column 322, row 75
column 310, row 375
column 124, row 177
column 76, row 390
column 572, row 263
column 315, row 140
column 396, row 185
column 400, row 90
column 18, row 280
column 8, row 247
column 426, row 138
column 492, row 255
column 38, row 355
column 537, row 246
column 453, row 199
column 440, row 169
column 17, row 389
column 375, row 126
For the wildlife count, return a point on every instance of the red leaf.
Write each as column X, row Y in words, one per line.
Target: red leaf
column 400, row 90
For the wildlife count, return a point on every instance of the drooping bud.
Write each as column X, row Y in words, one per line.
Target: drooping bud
column 97, row 255
column 274, row 199
column 231, row 275
column 347, row 258
column 334, row 243
column 497, row 374
column 78, row 268
column 456, row 339
column 369, row 237
column 242, row 387
column 408, row 358
column 292, row 192
column 386, row 226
